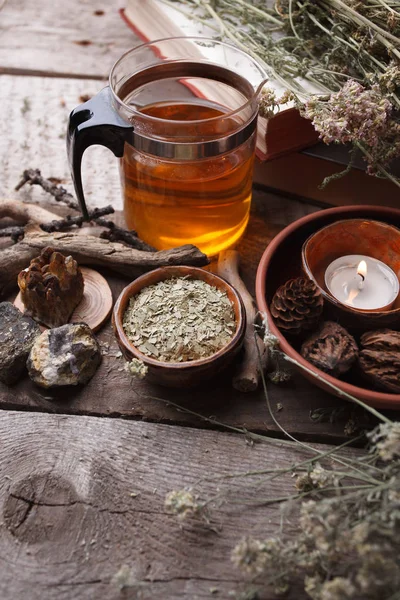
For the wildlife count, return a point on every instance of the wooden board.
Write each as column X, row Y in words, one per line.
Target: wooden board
column 81, row 498
column 62, row 38
column 112, row 392
column 37, row 110
column 38, row 143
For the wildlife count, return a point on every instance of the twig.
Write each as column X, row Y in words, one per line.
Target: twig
column 117, row 234
column 15, row 233
column 69, row 221
column 34, row 177
column 247, row 377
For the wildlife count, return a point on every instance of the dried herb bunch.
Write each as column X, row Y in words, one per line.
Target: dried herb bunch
column 348, row 541
column 337, row 59
column 340, row 528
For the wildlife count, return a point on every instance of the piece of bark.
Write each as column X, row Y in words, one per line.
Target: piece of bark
column 255, row 357
column 90, row 250
column 22, row 212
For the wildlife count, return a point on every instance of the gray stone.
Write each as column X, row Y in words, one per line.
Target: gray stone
column 17, row 334
column 66, row 355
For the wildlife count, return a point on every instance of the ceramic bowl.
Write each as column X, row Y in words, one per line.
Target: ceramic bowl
column 353, row 236
column 190, row 373
column 279, row 263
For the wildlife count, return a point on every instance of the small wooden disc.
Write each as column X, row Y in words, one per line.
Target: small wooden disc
column 96, row 304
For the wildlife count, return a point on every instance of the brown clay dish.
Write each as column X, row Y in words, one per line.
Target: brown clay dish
column 353, row 236
column 280, row 263
column 186, row 374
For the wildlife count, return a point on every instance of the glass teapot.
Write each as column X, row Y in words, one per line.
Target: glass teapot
column 181, row 114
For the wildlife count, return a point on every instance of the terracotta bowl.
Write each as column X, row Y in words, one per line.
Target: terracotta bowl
column 190, row 373
column 353, row 236
column 282, row 260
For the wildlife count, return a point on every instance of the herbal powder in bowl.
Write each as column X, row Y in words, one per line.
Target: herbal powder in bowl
column 184, row 323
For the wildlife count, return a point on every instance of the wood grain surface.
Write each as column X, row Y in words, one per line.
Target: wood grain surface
column 33, row 128
column 65, row 38
column 113, row 393
column 82, row 498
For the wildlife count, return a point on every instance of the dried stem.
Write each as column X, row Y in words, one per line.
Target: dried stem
column 69, row 221
column 15, row 233
column 34, row 177
column 117, row 234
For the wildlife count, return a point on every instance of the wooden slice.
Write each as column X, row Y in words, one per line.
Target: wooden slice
column 96, row 304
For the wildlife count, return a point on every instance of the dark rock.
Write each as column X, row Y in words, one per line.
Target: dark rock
column 17, row 334
column 66, row 355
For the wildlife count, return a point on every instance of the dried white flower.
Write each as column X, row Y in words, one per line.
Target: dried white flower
column 339, row 588
column 279, row 376
column 270, row 340
column 182, row 503
column 386, row 438
column 320, row 476
column 136, row 368
column 123, row 578
column 249, row 556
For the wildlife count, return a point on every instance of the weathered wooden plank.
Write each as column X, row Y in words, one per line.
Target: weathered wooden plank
column 33, row 141
column 74, row 37
column 111, row 392
column 80, row 497
column 34, row 120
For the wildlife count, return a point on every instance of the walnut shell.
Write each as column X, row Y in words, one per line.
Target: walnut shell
column 297, row 305
column 51, row 287
column 379, row 358
column 331, row 348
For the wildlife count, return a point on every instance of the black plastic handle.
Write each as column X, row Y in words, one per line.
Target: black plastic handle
column 94, row 122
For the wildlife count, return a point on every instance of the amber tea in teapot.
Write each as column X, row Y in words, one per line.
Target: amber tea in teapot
column 171, row 202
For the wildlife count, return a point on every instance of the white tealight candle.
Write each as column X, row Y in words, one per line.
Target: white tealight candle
column 362, row 282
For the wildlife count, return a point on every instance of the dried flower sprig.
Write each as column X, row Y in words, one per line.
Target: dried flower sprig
column 183, row 504
column 313, row 47
column 136, row 368
column 347, row 508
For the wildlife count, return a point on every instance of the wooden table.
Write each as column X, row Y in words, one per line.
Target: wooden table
column 84, row 475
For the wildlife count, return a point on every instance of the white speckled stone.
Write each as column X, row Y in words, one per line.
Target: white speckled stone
column 66, row 355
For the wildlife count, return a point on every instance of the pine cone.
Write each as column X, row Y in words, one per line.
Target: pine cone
column 331, row 349
column 297, row 305
column 379, row 358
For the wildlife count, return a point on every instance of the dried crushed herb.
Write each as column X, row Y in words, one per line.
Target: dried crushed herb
column 179, row 320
